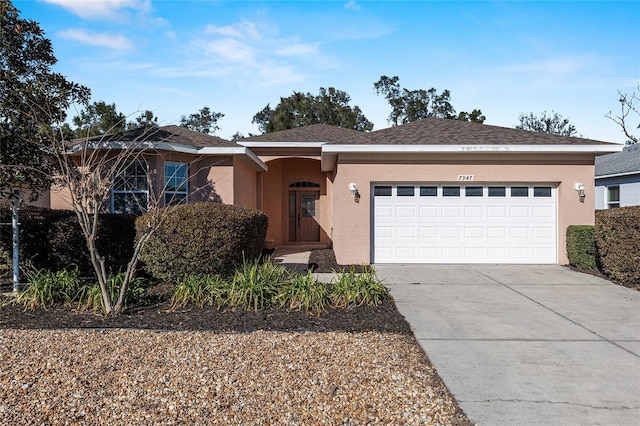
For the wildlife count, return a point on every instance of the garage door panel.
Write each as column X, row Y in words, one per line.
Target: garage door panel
column 382, row 212
column 450, row 211
column 519, row 212
column 428, row 232
column 476, row 211
column 459, row 229
column 405, row 232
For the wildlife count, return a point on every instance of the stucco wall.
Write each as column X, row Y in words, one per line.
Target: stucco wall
column 275, row 186
column 244, row 184
column 213, row 180
column 352, row 221
column 629, row 190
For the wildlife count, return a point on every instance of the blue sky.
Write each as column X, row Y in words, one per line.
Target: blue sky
column 506, row 58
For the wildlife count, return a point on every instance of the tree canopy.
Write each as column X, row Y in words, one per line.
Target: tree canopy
column 99, row 118
column 330, row 106
column 33, row 98
column 553, row 123
column 412, row 105
column 204, row 121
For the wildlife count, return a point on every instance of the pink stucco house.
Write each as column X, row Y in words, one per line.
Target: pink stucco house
column 432, row 191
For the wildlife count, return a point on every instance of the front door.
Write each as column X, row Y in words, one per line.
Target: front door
column 303, row 225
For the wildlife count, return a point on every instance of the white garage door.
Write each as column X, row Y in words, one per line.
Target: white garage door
column 429, row 223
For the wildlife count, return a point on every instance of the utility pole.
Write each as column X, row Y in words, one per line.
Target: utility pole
column 15, row 206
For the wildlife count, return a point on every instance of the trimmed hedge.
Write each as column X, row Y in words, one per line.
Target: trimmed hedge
column 581, row 247
column 203, row 238
column 618, row 242
column 52, row 239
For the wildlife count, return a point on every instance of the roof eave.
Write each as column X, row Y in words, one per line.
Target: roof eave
column 622, row 174
column 252, row 144
column 489, row 149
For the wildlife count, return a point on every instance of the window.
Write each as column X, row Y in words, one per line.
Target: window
column 405, row 191
column 519, row 191
column 130, row 192
column 175, row 183
column 613, row 196
column 450, row 191
column 304, row 185
column 473, row 191
column 382, row 191
column 541, row 191
column 428, row 191
column 497, row 191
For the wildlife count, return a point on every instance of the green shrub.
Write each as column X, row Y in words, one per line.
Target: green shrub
column 581, row 247
column 256, row 285
column 355, row 289
column 90, row 296
column 303, row 291
column 52, row 239
column 203, row 238
column 45, row 287
column 617, row 239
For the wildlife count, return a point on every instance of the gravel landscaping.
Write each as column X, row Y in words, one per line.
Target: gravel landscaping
column 196, row 366
column 203, row 366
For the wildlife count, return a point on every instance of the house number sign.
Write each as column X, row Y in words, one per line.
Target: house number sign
column 466, row 178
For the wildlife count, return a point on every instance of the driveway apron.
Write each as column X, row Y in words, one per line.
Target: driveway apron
column 526, row 344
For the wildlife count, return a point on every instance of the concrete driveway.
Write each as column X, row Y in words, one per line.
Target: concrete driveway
column 526, row 345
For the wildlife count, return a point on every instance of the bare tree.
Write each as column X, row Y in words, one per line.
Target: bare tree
column 629, row 105
column 88, row 171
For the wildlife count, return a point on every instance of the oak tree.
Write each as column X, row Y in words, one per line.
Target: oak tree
column 412, row 105
column 330, row 106
column 553, row 123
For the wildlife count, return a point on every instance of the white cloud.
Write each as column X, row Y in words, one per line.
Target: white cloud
column 298, row 49
column 102, row 9
column 241, row 30
column 111, row 41
column 229, row 49
column 351, row 4
column 557, row 66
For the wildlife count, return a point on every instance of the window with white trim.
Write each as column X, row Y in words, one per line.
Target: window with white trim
column 613, row 196
column 130, row 193
column 176, row 188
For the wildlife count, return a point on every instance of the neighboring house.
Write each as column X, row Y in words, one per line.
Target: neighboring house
column 618, row 179
column 432, row 191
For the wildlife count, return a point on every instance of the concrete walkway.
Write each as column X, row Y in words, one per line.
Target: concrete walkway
column 294, row 258
column 526, row 345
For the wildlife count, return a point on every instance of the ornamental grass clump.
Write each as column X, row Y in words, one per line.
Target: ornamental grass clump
column 90, row 296
column 304, row 292
column 256, row 285
column 200, row 290
column 355, row 289
column 47, row 287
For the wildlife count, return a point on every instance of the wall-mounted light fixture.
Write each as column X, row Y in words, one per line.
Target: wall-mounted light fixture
column 580, row 188
column 353, row 188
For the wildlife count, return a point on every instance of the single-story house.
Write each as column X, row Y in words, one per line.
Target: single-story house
column 618, row 179
column 432, row 191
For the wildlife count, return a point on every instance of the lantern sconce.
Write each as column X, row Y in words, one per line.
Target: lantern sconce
column 353, row 188
column 580, row 188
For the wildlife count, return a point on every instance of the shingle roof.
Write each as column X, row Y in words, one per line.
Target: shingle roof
column 454, row 132
column 423, row 132
column 166, row 134
column 313, row 133
column 627, row 161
